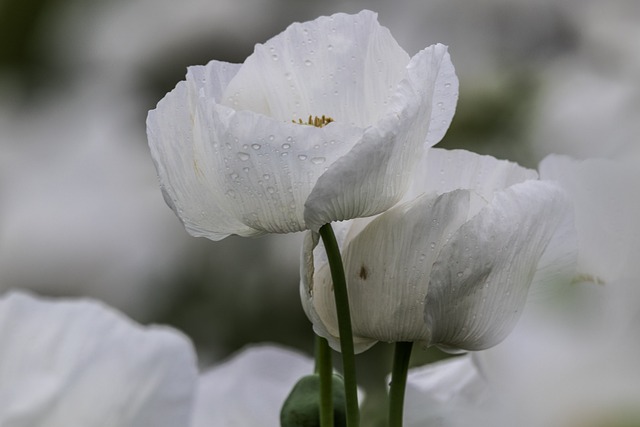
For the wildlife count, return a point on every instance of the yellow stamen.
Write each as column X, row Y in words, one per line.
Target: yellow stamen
column 315, row 121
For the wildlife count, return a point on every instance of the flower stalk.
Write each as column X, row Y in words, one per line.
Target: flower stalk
column 344, row 323
column 324, row 369
column 401, row 357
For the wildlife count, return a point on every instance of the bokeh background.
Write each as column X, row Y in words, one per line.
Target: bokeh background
column 80, row 210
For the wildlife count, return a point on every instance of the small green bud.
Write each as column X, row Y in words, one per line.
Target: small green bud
column 302, row 406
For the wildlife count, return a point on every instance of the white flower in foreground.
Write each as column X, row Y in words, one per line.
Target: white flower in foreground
column 231, row 161
column 249, row 389
column 572, row 361
column 452, row 264
column 79, row 363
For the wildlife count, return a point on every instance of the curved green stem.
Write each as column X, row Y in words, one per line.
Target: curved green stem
column 324, row 369
column 401, row 358
column 344, row 324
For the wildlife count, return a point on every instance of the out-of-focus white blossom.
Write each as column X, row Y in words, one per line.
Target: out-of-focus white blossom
column 79, row 363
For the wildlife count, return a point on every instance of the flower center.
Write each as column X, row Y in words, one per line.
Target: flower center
column 315, row 121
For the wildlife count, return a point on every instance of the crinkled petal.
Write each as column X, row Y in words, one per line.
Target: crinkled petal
column 480, row 281
column 342, row 66
column 441, row 171
column 172, row 140
column 374, row 175
column 78, row 363
column 387, row 267
column 250, row 388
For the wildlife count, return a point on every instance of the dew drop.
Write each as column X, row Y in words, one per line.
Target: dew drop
column 271, row 190
column 274, row 57
column 447, row 85
column 234, row 176
column 330, row 47
column 318, row 160
column 285, row 154
column 272, row 137
column 308, row 63
column 243, row 156
column 432, row 245
column 266, row 177
column 245, row 169
column 255, row 146
column 302, row 156
column 286, row 146
column 231, row 193
column 459, row 274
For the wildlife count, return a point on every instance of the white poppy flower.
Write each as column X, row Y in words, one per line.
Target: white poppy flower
column 250, row 388
column 231, row 160
column 79, row 363
column 453, row 263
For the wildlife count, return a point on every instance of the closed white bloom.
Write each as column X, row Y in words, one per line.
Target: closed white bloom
column 571, row 361
column 452, row 264
column 231, row 161
column 78, row 363
column 250, row 388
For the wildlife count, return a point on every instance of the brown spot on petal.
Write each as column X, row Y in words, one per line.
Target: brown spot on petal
column 363, row 272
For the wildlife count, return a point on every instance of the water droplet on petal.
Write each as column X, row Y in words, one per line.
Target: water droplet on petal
column 302, row 157
column 255, row 146
column 308, row 63
column 272, row 137
column 234, row 176
column 266, row 177
column 271, row 190
column 285, row 154
column 274, row 57
column 318, row 160
column 330, row 47
column 459, row 274
column 243, row 156
column 231, row 194
column 447, row 85
column 286, row 146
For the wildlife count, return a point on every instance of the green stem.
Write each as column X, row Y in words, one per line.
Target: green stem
column 344, row 324
column 401, row 358
column 324, row 369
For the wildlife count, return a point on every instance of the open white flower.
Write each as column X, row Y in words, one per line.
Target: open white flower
column 79, row 363
column 453, row 263
column 231, row 160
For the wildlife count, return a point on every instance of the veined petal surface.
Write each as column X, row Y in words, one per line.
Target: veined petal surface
column 375, row 174
column 79, row 363
column 479, row 282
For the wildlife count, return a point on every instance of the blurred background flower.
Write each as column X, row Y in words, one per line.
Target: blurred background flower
column 80, row 209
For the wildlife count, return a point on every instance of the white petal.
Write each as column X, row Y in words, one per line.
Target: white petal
column 249, row 389
column 387, row 267
column 480, row 281
column 343, row 66
column 171, row 134
column 447, row 393
column 374, row 175
column 442, row 170
column 67, row 363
